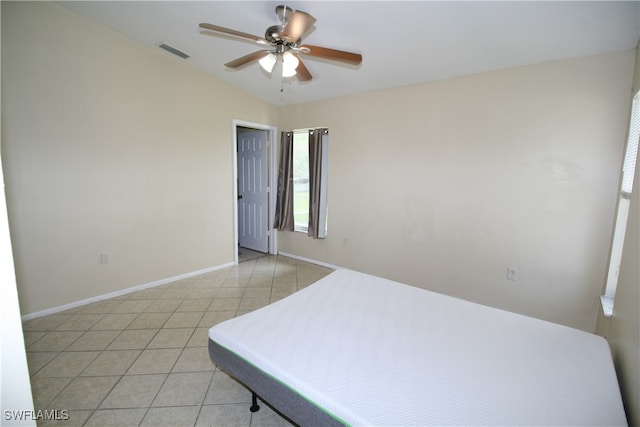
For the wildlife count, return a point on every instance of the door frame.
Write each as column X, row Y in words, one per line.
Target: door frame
column 272, row 160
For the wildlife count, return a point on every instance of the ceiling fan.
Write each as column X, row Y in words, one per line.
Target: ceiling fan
column 283, row 43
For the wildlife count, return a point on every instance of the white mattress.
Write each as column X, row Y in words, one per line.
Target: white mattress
column 371, row 351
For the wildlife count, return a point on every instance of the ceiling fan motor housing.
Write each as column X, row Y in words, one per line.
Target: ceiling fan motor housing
column 272, row 35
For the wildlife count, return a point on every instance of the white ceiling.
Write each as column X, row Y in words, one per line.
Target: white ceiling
column 401, row 42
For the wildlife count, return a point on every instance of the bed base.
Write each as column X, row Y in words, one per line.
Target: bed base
column 281, row 398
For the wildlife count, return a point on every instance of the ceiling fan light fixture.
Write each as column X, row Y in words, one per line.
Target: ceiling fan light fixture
column 289, row 64
column 267, row 62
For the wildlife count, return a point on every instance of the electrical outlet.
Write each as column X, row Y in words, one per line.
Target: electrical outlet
column 105, row 258
column 512, row 273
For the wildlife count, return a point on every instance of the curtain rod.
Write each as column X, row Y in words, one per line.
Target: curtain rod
column 305, row 130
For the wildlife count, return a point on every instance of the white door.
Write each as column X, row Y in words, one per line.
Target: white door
column 253, row 195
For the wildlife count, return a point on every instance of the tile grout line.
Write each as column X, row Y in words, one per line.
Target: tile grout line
column 133, row 363
column 93, row 411
column 242, row 275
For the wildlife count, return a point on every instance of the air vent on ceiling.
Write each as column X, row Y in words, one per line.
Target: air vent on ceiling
column 173, row 50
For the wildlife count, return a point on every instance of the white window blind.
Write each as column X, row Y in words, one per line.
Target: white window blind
column 617, row 244
column 631, row 154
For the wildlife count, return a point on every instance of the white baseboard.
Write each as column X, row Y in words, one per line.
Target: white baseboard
column 310, row 261
column 98, row 298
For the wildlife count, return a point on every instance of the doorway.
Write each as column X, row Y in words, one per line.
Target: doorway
column 253, row 174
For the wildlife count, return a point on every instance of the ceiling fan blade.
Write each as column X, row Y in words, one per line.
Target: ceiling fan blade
column 333, row 54
column 228, row 31
column 302, row 73
column 298, row 24
column 255, row 56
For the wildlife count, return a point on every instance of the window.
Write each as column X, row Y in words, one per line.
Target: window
column 301, row 180
column 626, row 186
column 310, row 204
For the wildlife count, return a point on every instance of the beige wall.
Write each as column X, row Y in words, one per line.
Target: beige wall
column 624, row 326
column 444, row 185
column 109, row 145
column 15, row 387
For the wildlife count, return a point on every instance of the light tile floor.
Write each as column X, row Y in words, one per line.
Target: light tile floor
column 142, row 358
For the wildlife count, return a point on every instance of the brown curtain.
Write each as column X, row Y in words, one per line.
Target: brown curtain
column 284, row 198
column 316, row 225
